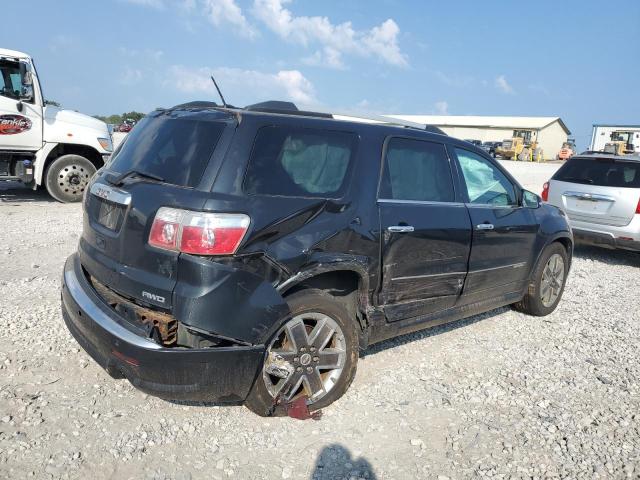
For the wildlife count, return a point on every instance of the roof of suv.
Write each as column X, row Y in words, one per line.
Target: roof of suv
column 291, row 110
column 608, row 156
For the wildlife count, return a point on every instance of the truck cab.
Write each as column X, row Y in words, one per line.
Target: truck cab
column 42, row 144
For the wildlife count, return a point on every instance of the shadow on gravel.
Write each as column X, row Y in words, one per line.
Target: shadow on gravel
column 334, row 461
column 430, row 332
column 605, row 255
column 13, row 192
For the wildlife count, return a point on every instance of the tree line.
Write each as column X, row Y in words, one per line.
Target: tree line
column 118, row 119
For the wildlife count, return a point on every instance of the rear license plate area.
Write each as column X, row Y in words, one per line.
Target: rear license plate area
column 108, row 214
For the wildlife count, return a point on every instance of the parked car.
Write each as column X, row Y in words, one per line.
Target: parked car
column 600, row 193
column 490, row 147
column 247, row 255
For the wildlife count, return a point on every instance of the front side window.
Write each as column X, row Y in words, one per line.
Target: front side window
column 416, row 170
column 300, row 162
column 485, row 183
column 10, row 79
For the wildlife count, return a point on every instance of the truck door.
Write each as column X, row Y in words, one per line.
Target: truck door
column 20, row 119
column 426, row 233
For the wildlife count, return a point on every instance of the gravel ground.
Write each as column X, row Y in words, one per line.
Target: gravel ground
column 500, row 395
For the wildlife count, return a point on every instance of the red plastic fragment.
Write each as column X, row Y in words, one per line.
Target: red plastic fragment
column 299, row 409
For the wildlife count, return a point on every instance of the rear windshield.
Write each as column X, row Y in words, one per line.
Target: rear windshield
column 604, row 172
column 175, row 149
column 300, row 162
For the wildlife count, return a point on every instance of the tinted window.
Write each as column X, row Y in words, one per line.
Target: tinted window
column 600, row 171
column 10, row 81
column 300, row 162
column 416, row 170
column 485, row 183
column 175, row 149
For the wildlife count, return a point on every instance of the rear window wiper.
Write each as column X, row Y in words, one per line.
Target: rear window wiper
column 576, row 180
column 133, row 172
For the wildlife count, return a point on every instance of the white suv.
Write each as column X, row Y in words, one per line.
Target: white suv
column 601, row 195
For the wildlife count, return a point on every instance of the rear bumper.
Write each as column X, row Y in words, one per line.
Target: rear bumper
column 604, row 239
column 223, row 374
column 626, row 237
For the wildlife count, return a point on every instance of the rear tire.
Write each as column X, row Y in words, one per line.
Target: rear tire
column 68, row 176
column 547, row 282
column 305, row 304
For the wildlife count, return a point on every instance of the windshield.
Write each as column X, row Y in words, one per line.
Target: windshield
column 175, row 149
column 604, row 172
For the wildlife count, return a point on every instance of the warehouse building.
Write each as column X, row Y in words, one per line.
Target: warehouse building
column 549, row 132
column 603, row 134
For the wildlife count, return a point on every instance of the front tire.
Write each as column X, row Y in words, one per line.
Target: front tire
column 67, row 177
column 315, row 353
column 547, row 284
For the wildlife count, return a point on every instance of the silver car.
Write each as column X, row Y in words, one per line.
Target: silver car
column 600, row 193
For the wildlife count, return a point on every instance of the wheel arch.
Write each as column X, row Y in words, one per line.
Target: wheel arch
column 85, row 151
column 347, row 283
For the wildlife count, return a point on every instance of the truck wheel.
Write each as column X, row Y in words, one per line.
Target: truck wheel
column 547, row 282
column 314, row 354
column 68, row 176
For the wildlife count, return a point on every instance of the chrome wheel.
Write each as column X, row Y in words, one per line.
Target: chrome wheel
column 552, row 280
column 306, row 357
column 73, row 179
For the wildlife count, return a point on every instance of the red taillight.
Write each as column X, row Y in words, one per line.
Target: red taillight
column 545, row 191
column 198, row 232
column 638, row 208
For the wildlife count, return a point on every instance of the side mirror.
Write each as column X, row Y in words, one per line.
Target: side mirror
column 530, row 199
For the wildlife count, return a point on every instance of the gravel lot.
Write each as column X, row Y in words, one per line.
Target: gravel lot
column 500, row 395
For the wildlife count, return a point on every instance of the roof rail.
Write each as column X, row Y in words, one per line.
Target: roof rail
column 278, row 106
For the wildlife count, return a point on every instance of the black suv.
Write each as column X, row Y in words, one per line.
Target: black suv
column 247, row 255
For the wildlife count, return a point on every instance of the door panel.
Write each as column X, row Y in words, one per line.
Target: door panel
column 426, row 234
column 500, row 257
column 503, row 232
column 424, row 269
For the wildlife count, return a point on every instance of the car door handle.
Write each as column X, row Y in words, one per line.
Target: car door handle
column 400, row 228
column 485, row 226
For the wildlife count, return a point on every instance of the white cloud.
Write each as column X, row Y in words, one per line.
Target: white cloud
column 221, row 12
column 130, row 76
column 441, row 108
column 327, row 57
column 285, row 84
column 334, row 39
column 503, row 85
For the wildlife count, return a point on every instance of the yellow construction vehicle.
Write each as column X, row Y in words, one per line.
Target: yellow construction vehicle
column 621, row 143
column 517, row 149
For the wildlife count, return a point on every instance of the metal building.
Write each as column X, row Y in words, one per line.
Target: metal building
column 549, row 132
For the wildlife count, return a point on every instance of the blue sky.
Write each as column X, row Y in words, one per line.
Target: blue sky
column 576, row 59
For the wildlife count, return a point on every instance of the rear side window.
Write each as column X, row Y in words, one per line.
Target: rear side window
column 300, row 162
column 604, row 172
column 176, row 149
column 416, row 170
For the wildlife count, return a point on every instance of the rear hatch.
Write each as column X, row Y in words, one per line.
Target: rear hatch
column 167, row 160
column 601, row 190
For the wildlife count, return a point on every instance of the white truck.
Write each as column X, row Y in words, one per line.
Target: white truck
column 43, row 145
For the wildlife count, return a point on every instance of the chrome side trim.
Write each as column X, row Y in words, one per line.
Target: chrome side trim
column 593, row 197
column 419, row 202
column 513, row 265
column 413, row 277
column 102, row 319
column 111, row 194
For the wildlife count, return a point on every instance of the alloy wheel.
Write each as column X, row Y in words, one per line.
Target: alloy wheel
column 552, row 280
column 306, row 357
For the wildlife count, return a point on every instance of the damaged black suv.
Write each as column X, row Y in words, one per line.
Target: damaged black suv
column 248, row 255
